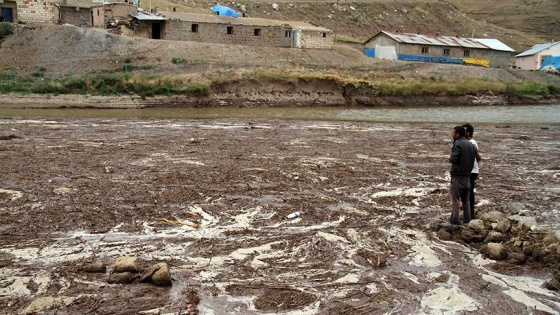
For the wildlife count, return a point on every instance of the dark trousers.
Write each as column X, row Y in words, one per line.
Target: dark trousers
column 459, row 191
column 474, row 176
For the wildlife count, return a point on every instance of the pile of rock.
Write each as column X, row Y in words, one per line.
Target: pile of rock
column 511, row 237
column 126, row 270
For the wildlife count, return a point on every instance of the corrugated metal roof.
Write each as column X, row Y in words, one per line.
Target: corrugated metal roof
column 494, row 44
column 450, row 41
column 536, row 49
column 141, row 16
column 218, row 19
column 410, row 38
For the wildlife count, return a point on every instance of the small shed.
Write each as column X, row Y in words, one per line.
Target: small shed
column 533, row 58
column 444, row 49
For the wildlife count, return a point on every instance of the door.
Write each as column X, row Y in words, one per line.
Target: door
column 156, row 31
column 7, row 15
column 294, row 39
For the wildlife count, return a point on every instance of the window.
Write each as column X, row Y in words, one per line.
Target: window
column 194, row 28
column 446, row 51
column 287, row 34
column 324, row 35
column 425, row 50
column 230, row 30
column 257, row 32
column 466, row 53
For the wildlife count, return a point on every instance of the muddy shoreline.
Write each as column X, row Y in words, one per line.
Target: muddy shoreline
column 232, row 98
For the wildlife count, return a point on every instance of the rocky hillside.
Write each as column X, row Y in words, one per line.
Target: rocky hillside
column 518, row 23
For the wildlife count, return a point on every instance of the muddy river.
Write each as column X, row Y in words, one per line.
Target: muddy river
column 210, row 197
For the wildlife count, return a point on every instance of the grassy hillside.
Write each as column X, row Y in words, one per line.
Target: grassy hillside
column 359, row 20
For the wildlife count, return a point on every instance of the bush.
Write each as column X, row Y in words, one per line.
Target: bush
column 6, row 29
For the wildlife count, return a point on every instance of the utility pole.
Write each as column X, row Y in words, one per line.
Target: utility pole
column 336, row 20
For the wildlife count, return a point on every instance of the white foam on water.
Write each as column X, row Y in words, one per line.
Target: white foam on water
column 412, row 192
column 14, row 193
column 422, row 253
column 349, row 278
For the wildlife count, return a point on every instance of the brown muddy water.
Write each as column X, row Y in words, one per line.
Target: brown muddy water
column 211, row 197
column 530, row 114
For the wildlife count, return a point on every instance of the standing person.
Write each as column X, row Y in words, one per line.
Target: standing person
column 469, row 132
column 462, row 161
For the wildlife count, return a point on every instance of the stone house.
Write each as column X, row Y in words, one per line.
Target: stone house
column 444, row 49
column 229, row 30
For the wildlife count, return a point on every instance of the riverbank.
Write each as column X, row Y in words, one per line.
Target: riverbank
column 274, row 98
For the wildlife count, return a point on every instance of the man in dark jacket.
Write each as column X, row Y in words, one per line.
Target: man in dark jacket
column 462, row 161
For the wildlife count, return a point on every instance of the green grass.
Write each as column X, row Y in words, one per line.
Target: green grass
column 149, row 85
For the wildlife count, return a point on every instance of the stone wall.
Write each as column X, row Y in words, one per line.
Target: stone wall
column 249, row 35
column 31, row 11
column 79, row 17
column 315, row 39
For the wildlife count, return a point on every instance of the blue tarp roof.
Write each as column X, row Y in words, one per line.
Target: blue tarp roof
column 553, row 61
column 224, row 11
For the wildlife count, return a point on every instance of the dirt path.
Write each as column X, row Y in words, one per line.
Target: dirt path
column 77, row 191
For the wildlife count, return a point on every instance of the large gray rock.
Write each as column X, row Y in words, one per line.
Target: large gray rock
column 527, row 223
column 496, row 251
column 515, row 207
column 477, row 225
column 494, row 237
column 275, row 6
column 502, row 226
column 492, row 216
column 125, row 263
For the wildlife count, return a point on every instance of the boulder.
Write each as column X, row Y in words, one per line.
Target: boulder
column 476, row 224
column 95, row 267
column 121, row 277
column 157, row 274
column 162, row 277
column 515, row 207
column 473, row 236
column 492, row 216
column 552, row 285
column 494, row 237
column 550, row 238
column 444, row 235
column 125, row 263
column 516, row 258
column 502, row 226
column 524, row 223
column 275, row 6
column 496, row 251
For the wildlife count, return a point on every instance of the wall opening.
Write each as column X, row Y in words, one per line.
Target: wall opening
column 257, row 32
column 156, row 31
column 194, row 28
column 230, row 30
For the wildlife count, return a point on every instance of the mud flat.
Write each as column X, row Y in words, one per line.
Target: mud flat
column 210, row 198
